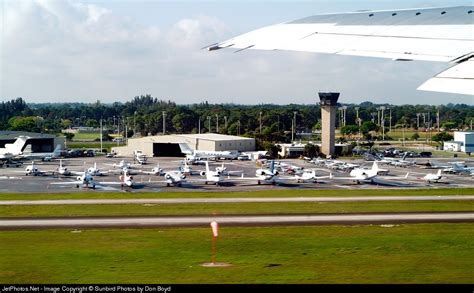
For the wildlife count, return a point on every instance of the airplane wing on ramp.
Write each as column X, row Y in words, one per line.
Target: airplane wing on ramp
column 428, row 34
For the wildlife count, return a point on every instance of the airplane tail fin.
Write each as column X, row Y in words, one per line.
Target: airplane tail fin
column 185, row 149
column 375, row 166
column 57, row 151
column 406, row 176
column 207, row 167
column 272, row 168
column 16, row 148
column 404, row 155
column 439, row 173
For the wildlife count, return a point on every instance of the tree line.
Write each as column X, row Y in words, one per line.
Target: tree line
column 145, row 115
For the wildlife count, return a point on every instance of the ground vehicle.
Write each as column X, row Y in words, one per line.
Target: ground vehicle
column 426, row 154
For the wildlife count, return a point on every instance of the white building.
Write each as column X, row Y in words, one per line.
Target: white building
column 169, row 145
column 463, row 142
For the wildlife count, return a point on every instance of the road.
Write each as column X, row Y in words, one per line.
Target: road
column 233, row 200
column 201, row 221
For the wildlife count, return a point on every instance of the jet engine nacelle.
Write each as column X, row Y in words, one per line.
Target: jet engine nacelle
column 183, row 176
column 168, row 176
column 203, row 173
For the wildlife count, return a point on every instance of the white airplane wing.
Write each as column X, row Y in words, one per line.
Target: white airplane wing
column 429, row 34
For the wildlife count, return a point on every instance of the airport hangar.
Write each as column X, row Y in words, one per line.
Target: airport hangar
column 168, row 145
column 36, row 143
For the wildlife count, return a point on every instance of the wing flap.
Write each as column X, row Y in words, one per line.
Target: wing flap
column 456, row 79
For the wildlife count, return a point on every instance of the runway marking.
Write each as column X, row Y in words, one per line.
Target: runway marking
column 237, row 220
column 235, row 200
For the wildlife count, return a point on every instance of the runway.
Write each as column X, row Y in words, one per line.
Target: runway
column 232, row 200
column 142, row 222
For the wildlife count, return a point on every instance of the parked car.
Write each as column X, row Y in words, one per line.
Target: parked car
column 426, row 154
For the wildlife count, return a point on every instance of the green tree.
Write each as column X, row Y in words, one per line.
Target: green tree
column 317, row 126
column 449, row 125
column 442, row 137
column 415, row 136
column 349, row 130
column 311, row 150
column 272, row 149
column 29, row 123
column 69, row 136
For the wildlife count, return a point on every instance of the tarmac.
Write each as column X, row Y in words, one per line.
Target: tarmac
column 15, row 180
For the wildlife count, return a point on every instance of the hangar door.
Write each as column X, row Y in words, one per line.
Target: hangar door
column 167, row 150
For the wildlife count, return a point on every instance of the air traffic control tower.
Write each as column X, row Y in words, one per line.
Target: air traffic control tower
column 328, row 122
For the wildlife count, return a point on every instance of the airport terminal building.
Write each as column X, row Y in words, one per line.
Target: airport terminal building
column 169, row 145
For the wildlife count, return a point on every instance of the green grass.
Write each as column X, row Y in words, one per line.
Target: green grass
column 90, row 145
column 227, row 192
column 417, row 253
column 233, row 208
column 86, row 135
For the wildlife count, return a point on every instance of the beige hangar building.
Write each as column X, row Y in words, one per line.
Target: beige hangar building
column 169, row 145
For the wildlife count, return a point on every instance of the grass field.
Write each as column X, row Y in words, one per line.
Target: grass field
column 91, row 194
column 417, row 253
column 86, row 135
column 233, row 208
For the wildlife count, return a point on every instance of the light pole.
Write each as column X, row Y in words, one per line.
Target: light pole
column 390, row 121
column 417, row 121
column 378, row 116
column 199, row 125
column 260, row 122
column 344, row 111
column 382, row 108
column 209, row 120
column 217, row 123
column 164, row 122
column 225, row 123
column 437, row 119
column 294, row 124
column 101, row 132
column 239, row 127
column 358, row 119
column 135, row 123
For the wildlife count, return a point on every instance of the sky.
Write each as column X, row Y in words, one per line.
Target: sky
column 84, row 51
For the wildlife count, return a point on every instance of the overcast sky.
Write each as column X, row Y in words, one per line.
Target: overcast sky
column 82, row 51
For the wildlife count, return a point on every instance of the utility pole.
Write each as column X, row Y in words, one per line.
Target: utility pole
column 239, row 128
column 225, row 123
column 344, row 111
column 260, row 122
column 164, row 122
column 217, row 123
column 199, row 125
column 417, row 121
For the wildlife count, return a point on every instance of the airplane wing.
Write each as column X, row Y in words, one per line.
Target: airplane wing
column 429, row 34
